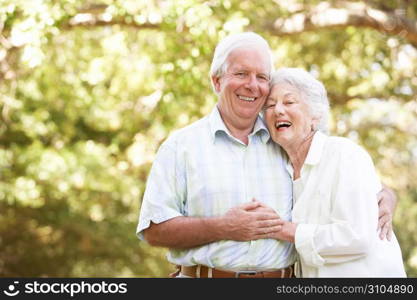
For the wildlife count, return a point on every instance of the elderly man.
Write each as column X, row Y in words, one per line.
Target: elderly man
column 218, row 187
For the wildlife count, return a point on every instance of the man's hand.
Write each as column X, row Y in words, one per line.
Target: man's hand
column 246, row 222
column 387, row 202
column 251, row 221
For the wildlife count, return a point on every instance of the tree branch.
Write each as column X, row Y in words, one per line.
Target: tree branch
column 104, row 19
column 323, row 16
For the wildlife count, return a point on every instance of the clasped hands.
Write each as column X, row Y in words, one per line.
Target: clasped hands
column 255, row 220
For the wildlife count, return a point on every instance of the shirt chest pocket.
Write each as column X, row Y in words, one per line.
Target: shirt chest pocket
column 211, row 188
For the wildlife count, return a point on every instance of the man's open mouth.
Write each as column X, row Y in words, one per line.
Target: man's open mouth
column 248, row 99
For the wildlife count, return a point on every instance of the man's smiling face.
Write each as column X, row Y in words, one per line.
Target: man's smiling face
column 244, row 86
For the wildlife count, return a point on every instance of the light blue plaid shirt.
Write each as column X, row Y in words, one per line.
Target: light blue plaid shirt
column 202, row 170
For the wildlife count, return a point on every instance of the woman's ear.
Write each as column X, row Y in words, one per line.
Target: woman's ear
column 315, row 123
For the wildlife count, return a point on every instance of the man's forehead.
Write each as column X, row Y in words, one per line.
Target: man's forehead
column 248, row 67
column 244, row 62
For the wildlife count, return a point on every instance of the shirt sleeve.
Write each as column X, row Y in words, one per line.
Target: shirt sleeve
column 353, row 217
column 165, row 189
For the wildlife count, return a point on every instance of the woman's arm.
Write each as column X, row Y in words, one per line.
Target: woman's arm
column 353, row 217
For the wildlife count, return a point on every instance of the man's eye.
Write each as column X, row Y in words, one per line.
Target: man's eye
column 263, row 78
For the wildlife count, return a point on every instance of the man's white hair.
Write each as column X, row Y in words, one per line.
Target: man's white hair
column 310, row 88
column 232, row 42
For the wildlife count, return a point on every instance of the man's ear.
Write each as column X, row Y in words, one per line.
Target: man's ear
column 216, row 83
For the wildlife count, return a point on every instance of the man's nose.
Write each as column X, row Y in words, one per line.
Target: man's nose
column 251, row 82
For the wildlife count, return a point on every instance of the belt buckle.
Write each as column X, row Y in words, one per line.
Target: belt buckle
column 237, row 274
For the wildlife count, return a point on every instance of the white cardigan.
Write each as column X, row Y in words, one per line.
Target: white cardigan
column 336, row 209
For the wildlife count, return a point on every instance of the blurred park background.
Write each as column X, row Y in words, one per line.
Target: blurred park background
column 90, row 89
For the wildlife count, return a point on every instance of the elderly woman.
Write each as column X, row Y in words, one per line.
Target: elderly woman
column 335, row 213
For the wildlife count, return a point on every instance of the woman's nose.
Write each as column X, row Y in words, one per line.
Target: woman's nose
column 279, row 108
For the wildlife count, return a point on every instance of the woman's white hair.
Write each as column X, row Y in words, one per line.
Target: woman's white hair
column 232, row 42
column 313, row 91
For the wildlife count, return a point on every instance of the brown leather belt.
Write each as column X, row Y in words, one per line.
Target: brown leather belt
column 206, row 272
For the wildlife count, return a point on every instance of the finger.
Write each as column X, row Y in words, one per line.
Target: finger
column 383, row 220
column 267, row 208
column 386, row 197
column 261, row 205
column 382, row 210
column 386, row 229
column 380, row 195
column 384, row 216
column 270, row 223
column 249, row 205
column 383, row 232
column 266, row 216
column 389, row 234
column 268, row 232
column 261, row 209
column 264, row 205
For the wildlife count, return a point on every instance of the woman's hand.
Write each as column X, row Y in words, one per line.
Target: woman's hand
column 287, row 231
column 387, row 202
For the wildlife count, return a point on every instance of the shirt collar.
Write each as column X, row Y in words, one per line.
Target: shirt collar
column 314, row 153
column 217, row 125
column 316, row 148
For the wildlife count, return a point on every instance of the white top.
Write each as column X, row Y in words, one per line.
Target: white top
column 336, row 209
column 201, row 170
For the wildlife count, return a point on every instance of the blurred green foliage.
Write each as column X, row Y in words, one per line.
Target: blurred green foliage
column 89, row 90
